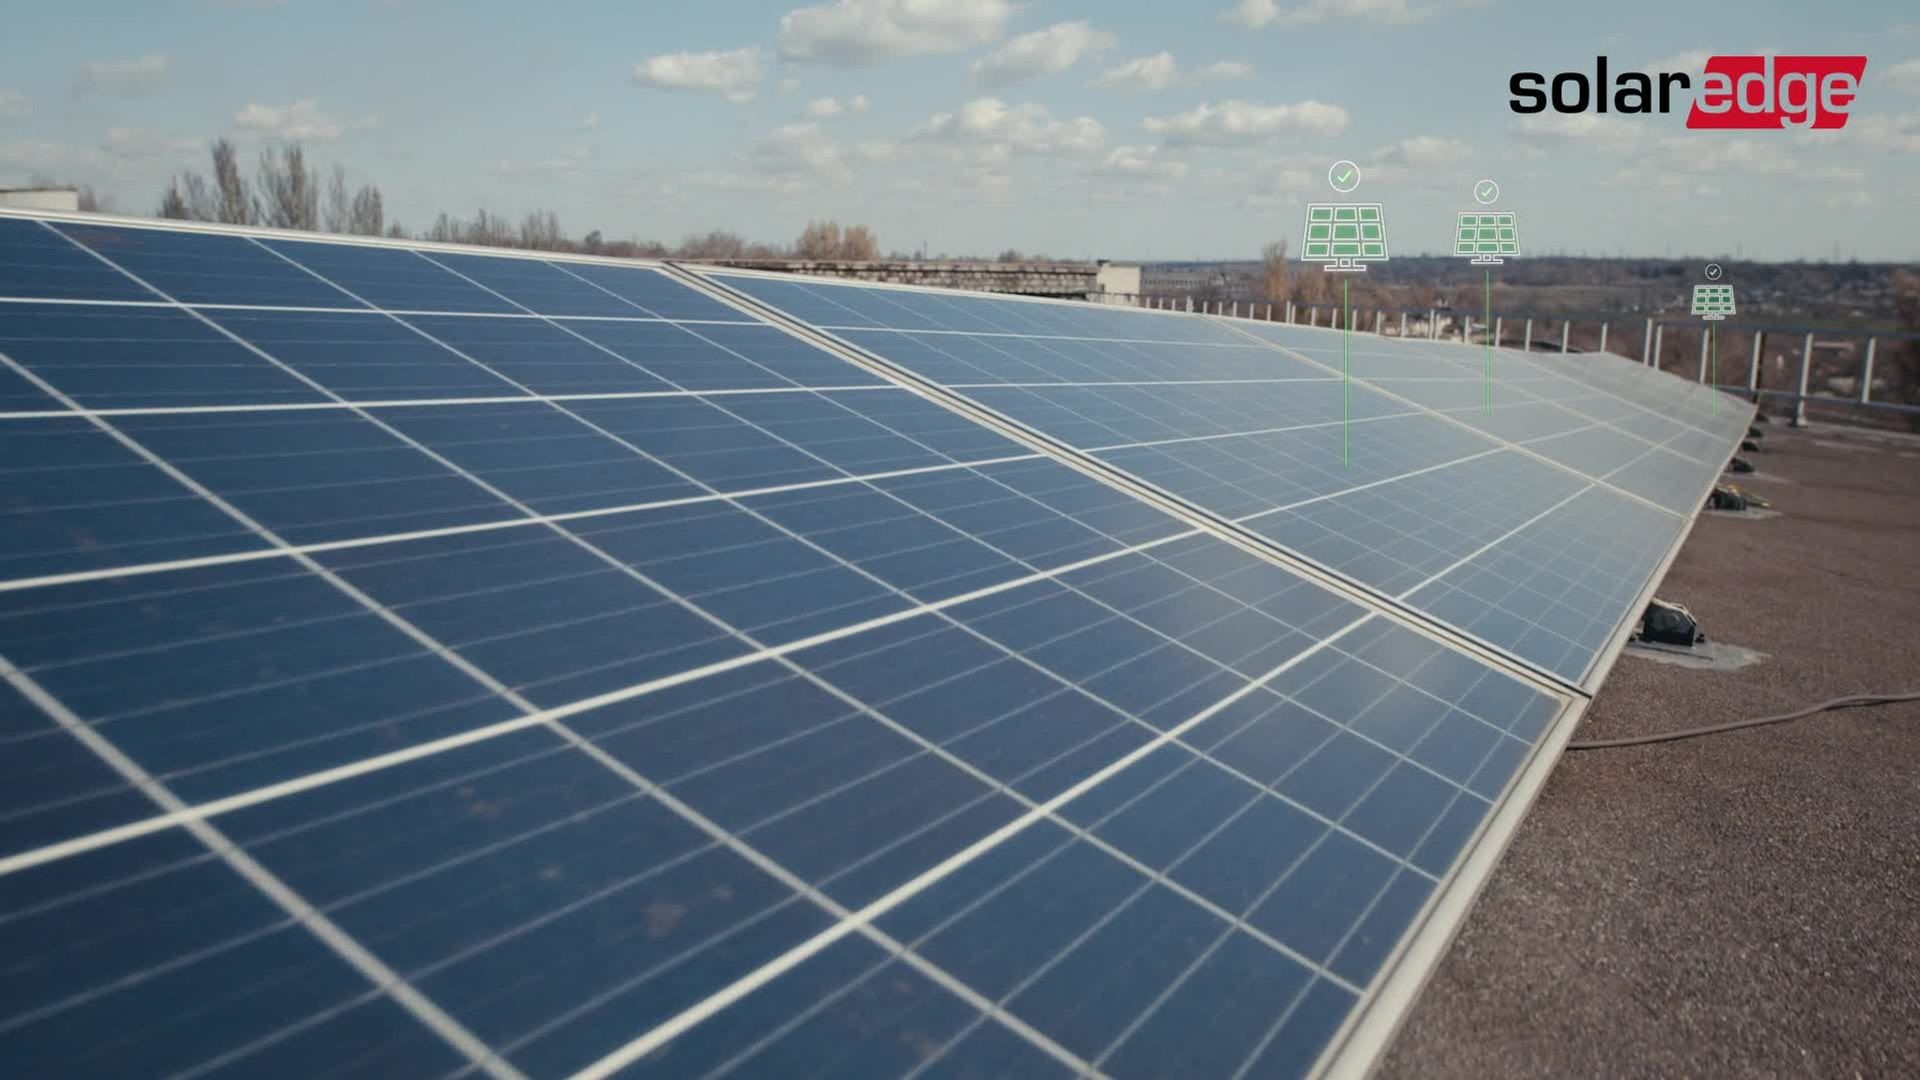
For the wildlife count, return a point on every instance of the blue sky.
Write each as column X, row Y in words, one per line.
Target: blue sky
column 1135, row 131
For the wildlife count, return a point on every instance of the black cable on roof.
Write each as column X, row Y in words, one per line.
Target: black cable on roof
column 1853, row 701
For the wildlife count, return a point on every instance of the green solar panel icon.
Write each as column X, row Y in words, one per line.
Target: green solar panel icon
column 1486, row 235
column 1345, row 236
column 1713, row 301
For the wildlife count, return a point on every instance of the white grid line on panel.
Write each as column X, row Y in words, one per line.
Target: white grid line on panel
column 1188, row 510
column 689, row 1018
column 1508, row 443
column 369, row 309
column 417, row 1004
column 960, row 763
column 1569, row 380
column 418, row 403
column 530, row 711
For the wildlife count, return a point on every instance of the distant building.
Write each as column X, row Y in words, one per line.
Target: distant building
column 1205, row 282
column 40, row 198
column 1114, row 279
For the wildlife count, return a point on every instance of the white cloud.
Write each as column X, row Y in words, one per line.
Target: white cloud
column 1898, row 132
column 1428, row 151
column 788, row 85
column 791, row 158
column 563, row 163
column 1590, row 128
column 1001, row 129
column 1232, row 122
column 1156, row 72
column 1160, row 71
column 1259, row 13
column 1042, row 52
column 1142, row 162
column 733, row 74
column 1904, row 75
column 589, row 121
column 301, row 120
column 127, row 142
column 1225, row 69
column 851, row 32
column 1691, row 61
column 125, row 76
column 823, row 107
column 14, row 105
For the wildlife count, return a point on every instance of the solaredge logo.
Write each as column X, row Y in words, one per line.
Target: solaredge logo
column 1735, row 91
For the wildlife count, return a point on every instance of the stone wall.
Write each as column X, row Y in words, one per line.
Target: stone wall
column 1075, row 280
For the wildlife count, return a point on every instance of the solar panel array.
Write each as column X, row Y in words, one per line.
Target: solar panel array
column 1531, row 526
column 419, row 661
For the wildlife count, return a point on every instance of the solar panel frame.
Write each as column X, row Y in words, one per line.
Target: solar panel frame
column 1439, row 916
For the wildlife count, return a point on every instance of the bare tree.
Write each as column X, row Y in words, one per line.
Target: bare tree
column 232, row 201
column 819, row 240
column 540, row 231
column 338, row 213
column 366, row 215
column 395, row 230
column 859, row 244
column 593, row 243
column 717, row 244
column 1273, row 264
column 289, row 192
column 173, row 202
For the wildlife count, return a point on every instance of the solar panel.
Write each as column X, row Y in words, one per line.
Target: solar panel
column 1402, row 480
column 1345, row 232
column 1713, row 301
column 420, row 660
column 1486, row 234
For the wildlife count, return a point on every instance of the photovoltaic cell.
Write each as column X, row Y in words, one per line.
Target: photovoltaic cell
column 628, row 646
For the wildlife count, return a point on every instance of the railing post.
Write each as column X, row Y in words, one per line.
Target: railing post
column 1403, row 324
column 1236, row 309
column 1866, row 372
column 1603, row 337
column 1705, row 336
column 1379, row 322
column 1499, row 329
column 1646, row 347
column 1566, row 328
column 1658, row 333
column 1753, row 366
column 1313, row 314
column 1526, row 339
column 1806, row 366
column 1433, row 325
column 1189, row 305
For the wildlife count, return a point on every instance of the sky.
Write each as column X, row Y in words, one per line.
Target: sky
column 1127, row 131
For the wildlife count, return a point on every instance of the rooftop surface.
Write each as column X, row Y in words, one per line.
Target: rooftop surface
column 1742, row 904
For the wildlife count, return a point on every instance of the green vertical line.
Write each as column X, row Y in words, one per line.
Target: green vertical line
column 1346, row 378
column 1488, row 329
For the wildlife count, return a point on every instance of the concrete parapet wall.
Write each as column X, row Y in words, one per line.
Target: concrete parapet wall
column 1075, row 280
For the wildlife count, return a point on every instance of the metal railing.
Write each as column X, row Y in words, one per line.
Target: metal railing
column 1815, row 351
